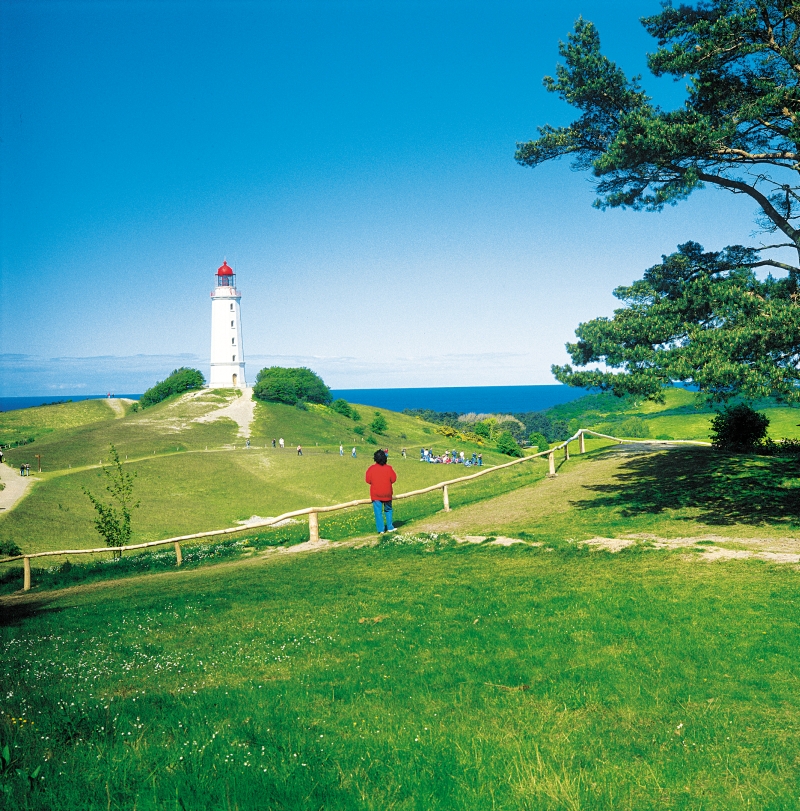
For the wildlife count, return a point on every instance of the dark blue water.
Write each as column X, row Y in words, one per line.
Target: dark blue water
column 463, row 399
column 13, row 403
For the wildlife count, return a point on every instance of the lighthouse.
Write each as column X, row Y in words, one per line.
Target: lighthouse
column 227, row 352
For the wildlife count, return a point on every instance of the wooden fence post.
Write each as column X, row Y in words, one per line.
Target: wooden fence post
column 313, row 527
column 582, row 442
column 178, row 554
column 551, row 461
column 26, row 578
column 566, row 452
column 446, row 499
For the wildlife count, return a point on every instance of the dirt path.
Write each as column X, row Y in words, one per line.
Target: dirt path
column 242, row 411
column 117, row 406
column 16, row 487
column 557, row 496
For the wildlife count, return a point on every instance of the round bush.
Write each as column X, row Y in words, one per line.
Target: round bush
column 738, row 428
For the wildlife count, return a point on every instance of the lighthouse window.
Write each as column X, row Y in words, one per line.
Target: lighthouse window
column 233, row 341
column 234, row 358
column 231, row 324
column 231, row 307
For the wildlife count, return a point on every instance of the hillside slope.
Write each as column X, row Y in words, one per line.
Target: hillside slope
column 682, row 415
column 193, row 472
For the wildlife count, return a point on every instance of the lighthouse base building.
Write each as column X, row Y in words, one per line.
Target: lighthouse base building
column 227, row 351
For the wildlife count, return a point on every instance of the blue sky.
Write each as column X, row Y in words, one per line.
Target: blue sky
column 354, row 163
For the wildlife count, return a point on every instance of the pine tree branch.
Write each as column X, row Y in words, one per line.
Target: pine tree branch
column 773, row 263
column 739, row 186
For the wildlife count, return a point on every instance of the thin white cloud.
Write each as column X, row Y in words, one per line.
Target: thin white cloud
column 29, row 375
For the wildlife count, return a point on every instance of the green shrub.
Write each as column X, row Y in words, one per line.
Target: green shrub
column 539, row 441
column 283, row 385
column 371, row 440
column 634, row 427
column 183, row 379
column 783, row 447
column 514, row 427
column 738, row 428
column 8, row 549
column 482, row 429
column 508, row 445
column 354, row 415
column 113, row 520
column 359, row 429
column 379, row 424
column 342, row 407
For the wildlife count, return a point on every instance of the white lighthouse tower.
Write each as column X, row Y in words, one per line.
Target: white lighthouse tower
column 227, row 352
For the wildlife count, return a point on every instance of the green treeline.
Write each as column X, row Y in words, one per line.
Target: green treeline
column 183, row 379
column 291, row 386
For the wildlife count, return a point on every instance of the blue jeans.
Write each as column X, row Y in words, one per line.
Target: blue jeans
column 380, row 508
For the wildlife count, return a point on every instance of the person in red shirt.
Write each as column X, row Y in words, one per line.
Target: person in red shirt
column 380, row 478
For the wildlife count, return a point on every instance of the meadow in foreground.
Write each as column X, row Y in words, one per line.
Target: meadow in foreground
column 418, row 674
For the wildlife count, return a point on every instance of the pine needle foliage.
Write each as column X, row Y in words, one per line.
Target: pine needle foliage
column 700, row 318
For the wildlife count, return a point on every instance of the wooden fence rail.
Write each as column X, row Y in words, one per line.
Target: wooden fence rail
column 313, row 512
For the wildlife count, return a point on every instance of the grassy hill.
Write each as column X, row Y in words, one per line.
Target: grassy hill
column 682, row 415
column 425, row 673
column 193, row 476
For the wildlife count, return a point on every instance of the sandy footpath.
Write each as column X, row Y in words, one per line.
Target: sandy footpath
column 16, row 486
column 242, row 411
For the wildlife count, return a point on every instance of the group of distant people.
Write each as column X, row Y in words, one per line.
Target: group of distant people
column 25, row 470
column 281, row 444
column 450, row 458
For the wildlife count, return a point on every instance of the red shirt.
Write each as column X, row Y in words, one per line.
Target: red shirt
column 380, row 479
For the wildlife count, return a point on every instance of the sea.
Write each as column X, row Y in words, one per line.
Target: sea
column 465, row 399
column 462, row 399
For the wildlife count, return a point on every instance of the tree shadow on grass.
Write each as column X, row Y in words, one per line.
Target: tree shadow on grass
column 718, row 488
column 16, row 611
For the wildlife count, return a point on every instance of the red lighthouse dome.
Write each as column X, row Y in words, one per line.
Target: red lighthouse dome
column 225, row 276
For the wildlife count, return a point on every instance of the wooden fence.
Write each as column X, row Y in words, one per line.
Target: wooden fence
column 313, row 512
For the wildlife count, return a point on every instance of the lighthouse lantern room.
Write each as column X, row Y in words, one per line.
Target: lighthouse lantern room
column 227, row 352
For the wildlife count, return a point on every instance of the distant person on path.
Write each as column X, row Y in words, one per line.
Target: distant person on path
column 273, row 443
column 299, row 450
column 353, row 454
column 1, row 457
column 341, row 449
column 22, row 470
column 403, row 452
column 380, row 478
column 280, row 442
column 27, row 469
column 480, row 460
column 247, row 443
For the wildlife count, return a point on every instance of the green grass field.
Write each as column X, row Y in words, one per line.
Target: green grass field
column 410, row 677
column 420, row 673
column 29, row 424
column 682, row 415
column 197, row 476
